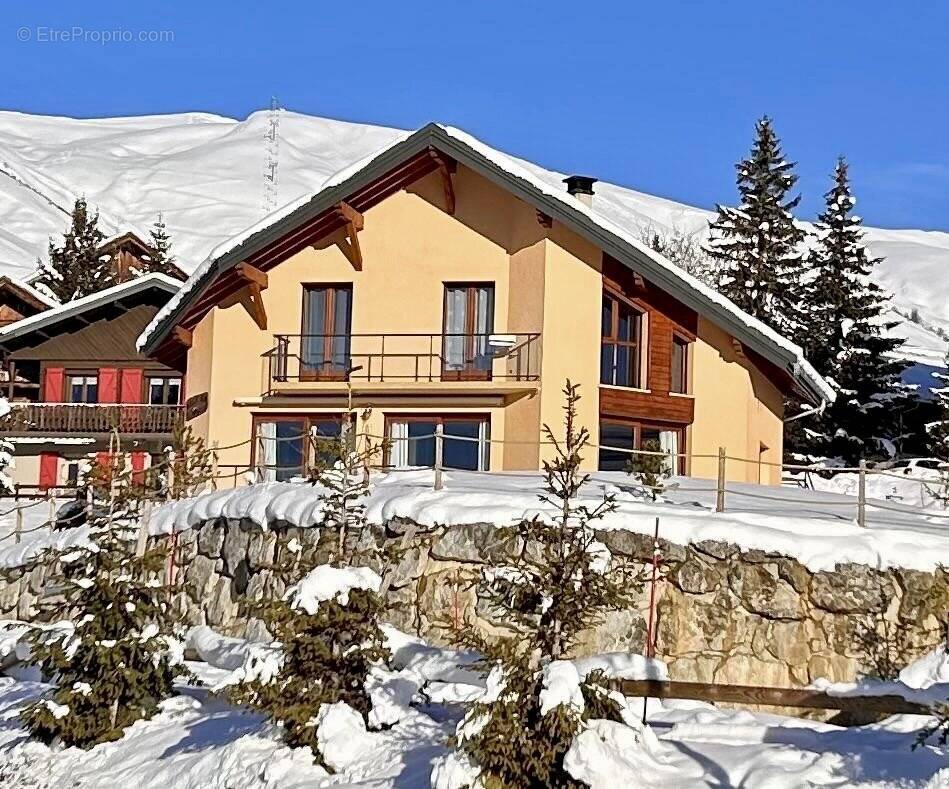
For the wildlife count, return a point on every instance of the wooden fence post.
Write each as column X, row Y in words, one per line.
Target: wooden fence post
column 142, row 542
column 19, row 525
column 862, row 495
column 52, row 509
column 720, row 482
column 439, row 454
column 214, row 445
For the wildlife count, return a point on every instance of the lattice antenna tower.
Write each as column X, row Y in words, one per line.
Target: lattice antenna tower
column 271, row 168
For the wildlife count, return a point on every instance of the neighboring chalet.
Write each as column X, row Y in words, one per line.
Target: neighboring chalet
column 454, row 289
column 79, row 375
column 19, row 300
column 130, row 254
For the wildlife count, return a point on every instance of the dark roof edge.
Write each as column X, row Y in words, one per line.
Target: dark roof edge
column 618, row 248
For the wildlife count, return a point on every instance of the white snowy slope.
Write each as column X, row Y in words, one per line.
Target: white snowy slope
column 205, row 173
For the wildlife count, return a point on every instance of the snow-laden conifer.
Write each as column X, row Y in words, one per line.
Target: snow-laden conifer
column 846, row 340
column 77, row 268
column 757, row 244
column 118, row 660
column 561, row 584
column 6, row 450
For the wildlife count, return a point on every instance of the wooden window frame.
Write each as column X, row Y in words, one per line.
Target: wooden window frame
column 468, row 373
column 639, row 424
column 307, row 418
column 678, row 338
column 439, row 418
column 148, row 377
column 640, row 344
column 329, row 318
column 68, row 376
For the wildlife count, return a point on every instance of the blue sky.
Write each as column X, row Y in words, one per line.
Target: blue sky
column 661, row 97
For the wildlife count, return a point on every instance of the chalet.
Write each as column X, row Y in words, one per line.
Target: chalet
column 453, row 290
column 20, row 300
column 130, row 255
column 73, row 375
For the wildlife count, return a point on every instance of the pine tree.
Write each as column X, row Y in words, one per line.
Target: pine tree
column 560, row 586
column 328, row 642
column 846, row 341
column 76, row 268
column 6, row 451
column 161, row 260
column 685, row 250
column 940, row 429
column 118, row 661
column 651, row 470
column 757, row 244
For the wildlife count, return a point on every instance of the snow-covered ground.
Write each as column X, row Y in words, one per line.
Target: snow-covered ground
column 200, row 741
column 818, row 527
column 204, row 173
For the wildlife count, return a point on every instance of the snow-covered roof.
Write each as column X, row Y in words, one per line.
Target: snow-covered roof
column 78, row 306
column 29, row 290
column 535, row 185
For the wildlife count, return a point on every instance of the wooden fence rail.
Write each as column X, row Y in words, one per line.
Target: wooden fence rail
column 767, row 696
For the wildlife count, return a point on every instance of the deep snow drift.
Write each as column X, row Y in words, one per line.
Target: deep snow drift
column 199, row 741
column 205, row 174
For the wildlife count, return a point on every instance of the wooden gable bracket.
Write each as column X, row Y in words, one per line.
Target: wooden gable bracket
column 446, row 168
column 638, row 280
column 545, row 220
column 738, row 348
column 251, row 297
column 354, row 223
column 182, row 335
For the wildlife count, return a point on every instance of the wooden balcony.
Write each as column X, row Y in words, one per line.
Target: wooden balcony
column 403, row 362
column 88, row 419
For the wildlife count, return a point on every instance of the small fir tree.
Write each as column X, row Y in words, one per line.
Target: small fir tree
column 161, row 259
column 560, row 586
column 118, row 662
column 651, row 470
column 328, row 646
column 757, row 245
column 846, row 341
column 188, row 466
column 76, row 268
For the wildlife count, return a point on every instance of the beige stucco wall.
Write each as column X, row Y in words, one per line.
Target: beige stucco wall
column 736, row 407
column 410, row 249
column 546, row 279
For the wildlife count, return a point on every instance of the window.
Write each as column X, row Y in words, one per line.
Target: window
column 619, row 435
column 465, row 444
column 164, row 390
column 680, row 365
column 620, row 349
column 327, row 326
column 83, row 388
column 467, row 326
column 289, row 446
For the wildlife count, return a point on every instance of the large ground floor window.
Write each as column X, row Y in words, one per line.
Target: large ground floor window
column 618, row 435
column 466, row 441
column 289, row 446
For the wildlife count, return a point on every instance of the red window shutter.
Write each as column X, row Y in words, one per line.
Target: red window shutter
column 53, row 384
column 138, row 467
column 131, row 386
column 49, row 469
column 108, row 385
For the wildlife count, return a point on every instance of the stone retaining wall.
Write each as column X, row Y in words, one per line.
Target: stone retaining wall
column 724, row 614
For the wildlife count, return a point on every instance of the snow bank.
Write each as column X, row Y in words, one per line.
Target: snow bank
column 331, row 583
column 814, row 527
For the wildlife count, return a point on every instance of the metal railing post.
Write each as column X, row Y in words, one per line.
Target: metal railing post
column 439, row 453
column 720, row 482
column 862, row 495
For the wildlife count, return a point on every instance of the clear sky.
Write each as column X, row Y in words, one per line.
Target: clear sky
column 660, row 97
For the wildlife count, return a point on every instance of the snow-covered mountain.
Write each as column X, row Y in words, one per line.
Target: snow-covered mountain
column 205, row 174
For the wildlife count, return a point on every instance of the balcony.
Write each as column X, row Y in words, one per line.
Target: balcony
column 91, row 419
column 495, row 362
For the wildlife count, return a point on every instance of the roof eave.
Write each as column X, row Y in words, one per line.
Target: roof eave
column 434, row 135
